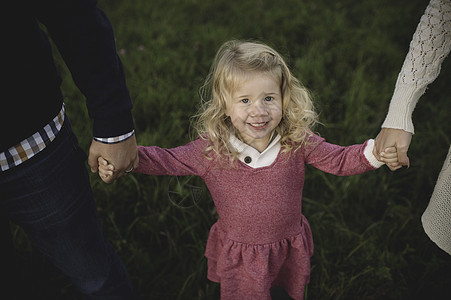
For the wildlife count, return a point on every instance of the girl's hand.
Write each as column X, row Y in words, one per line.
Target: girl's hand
column 106, row 170
column 390, row 158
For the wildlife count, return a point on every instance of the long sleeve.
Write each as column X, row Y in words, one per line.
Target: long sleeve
column 430, row 45
column 339, row 160
column 84, row 36
column 180, row 161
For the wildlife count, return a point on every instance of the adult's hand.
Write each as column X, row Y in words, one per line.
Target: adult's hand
column 389, row 137
column 123, row 156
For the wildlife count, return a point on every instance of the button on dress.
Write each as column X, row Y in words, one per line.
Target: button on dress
column 261, row 238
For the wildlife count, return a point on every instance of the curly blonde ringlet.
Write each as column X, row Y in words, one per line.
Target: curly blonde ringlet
column 234, row 60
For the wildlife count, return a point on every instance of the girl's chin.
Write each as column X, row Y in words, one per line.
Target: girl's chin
column 254, row 138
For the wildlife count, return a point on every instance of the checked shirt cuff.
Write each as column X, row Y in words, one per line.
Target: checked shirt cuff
column 116, row 139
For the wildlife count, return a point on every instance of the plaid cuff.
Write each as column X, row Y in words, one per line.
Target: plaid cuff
column 32, row 145
column 116, row 139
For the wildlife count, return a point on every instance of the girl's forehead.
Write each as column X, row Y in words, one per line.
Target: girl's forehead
column 245, row 77
column 255, row 85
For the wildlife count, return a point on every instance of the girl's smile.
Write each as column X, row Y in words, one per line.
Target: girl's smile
column 255, row 109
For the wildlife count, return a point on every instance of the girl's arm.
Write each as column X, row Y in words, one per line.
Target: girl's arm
column 343, row 161
column 180, row 161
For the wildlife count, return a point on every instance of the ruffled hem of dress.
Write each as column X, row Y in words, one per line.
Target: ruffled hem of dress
column 285, row 262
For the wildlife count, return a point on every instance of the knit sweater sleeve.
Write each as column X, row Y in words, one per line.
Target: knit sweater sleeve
column 339, row 160
column 430, row 45
column 180, row 161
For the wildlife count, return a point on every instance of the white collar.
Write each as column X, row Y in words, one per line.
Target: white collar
column 251, row 157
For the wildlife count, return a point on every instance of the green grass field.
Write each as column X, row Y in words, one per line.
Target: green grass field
column 369, row 242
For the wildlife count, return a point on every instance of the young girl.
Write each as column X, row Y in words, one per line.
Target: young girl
column 255, row 138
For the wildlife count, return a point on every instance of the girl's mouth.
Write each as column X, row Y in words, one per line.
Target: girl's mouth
column 259, row 125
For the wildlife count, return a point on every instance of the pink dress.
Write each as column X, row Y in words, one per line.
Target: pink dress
column 261, row 238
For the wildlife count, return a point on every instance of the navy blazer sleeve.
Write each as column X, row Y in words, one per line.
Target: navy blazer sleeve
column 84, row 37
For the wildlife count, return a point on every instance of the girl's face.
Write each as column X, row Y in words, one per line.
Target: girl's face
column 255, row 109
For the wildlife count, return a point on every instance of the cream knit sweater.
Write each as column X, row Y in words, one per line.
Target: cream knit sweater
column 430, row 44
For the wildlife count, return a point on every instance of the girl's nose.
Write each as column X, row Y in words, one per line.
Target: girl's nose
column 258, row 109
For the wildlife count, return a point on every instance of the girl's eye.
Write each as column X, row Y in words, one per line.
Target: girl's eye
column 245, row 100
column 269, row 98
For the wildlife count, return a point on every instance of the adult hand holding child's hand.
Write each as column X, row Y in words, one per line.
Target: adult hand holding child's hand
column 390, row 137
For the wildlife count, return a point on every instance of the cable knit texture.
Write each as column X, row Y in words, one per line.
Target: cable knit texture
column 436, row 218
column 261, row 238
column 430, row 45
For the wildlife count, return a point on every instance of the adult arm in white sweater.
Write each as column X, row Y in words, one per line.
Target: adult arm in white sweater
column 430, row 44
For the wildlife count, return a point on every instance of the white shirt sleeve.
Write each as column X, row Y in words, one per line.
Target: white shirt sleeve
column 368, row 153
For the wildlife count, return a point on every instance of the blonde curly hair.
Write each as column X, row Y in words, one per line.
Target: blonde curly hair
column 233, row 60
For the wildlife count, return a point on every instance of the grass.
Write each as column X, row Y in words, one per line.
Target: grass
column 369, row 242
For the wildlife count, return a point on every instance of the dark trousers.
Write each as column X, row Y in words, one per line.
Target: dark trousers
column 50, row 197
